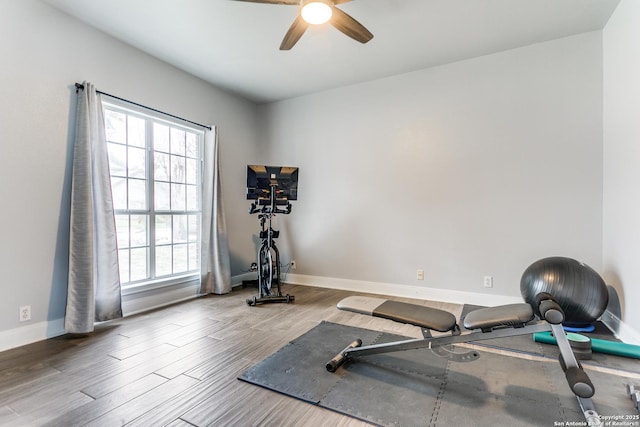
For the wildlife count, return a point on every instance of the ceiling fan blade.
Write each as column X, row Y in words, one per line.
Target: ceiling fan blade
column 349, row 26
column 296, row 31
column 340, row 1
column 289, row 2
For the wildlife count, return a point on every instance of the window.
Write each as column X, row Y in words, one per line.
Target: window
column 155, row 167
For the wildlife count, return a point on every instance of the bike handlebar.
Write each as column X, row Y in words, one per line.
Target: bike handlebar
column 269, row 210
column 272, row 207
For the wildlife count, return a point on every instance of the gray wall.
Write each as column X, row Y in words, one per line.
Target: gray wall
column 475, row 168
column 622, row 158
column 43, row 53
column 470, row 169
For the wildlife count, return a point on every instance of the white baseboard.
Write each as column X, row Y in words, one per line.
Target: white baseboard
column 31, row 333
column 237, row 280
column 621, row 330
column 131, row 304
column 28, row 334
column 151, row 300
column 405, row 291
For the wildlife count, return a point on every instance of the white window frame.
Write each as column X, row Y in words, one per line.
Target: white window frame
column 152, row 279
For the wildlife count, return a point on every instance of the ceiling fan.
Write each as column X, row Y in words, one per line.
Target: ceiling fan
column 315, row 12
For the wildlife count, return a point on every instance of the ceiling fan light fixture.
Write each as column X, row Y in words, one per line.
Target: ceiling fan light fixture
column 316, row 12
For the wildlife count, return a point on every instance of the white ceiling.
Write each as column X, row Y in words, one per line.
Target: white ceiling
column 234, row 45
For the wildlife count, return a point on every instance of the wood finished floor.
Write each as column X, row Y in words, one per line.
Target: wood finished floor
column 176, row 366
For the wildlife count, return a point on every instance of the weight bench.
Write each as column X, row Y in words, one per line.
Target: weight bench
column 482, row 324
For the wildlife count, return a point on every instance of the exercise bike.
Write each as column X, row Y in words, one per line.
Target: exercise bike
column 268, row 254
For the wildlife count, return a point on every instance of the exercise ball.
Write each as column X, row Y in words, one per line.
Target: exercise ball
column 575, row 286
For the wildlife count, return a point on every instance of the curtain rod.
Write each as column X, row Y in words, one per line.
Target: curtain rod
column 81, row 86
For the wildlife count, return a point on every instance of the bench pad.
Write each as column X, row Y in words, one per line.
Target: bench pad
column 511, row 315
column 413, row 314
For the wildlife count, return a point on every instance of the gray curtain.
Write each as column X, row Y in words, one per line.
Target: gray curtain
column 93, row 292
column 214, row 263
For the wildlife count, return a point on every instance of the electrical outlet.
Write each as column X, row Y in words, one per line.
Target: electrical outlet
column 293, row 265
column 488, row 281
column 25, row 313
column 420, row 274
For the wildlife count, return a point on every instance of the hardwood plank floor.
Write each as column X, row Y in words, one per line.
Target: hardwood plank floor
column 176, row 366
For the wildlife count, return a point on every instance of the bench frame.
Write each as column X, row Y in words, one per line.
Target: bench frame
column 550, row 319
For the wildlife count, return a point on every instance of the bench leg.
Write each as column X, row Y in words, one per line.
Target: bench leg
column 577, row 378
column 589, row 412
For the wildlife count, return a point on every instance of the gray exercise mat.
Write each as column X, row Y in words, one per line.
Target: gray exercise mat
column 416, row 388
column 514, row 392
column 394, row 389
column 369, row 390
column 298, row 369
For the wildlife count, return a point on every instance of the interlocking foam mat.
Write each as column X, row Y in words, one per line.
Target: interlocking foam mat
column 417, row 388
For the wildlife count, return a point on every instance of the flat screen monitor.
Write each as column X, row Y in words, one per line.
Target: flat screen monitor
column 260, row 180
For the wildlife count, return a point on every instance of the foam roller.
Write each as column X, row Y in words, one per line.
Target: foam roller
column 601, row 346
